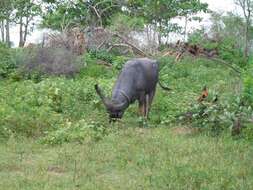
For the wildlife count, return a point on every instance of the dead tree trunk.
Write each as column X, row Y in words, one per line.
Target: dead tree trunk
column 246, row 6
column 185, row 27
column 159, row 34
column 2, row 31
column 21, row 41
column 7, row 37
column 25, row 31
column 246, row 48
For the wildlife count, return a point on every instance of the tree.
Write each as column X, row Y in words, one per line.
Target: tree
column 25, row 11
column 247, row 8
column 224, row 35
column 188, row 11
column 62, row 14
column 160, row 12
column 6, row 8
column 228, row 26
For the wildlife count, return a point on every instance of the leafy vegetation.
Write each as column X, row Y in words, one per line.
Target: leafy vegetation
column 7, row 64
column 55, row 107
column 248, row 85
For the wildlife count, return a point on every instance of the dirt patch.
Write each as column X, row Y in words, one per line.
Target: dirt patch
column 185, row 130
column 10, row 168
column 56, row 170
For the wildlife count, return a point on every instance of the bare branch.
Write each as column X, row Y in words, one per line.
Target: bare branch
column 118, row 45
column 138, row 50
column 105, row 9
column 98, row 15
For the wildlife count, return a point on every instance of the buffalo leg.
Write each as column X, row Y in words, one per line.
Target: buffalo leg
column 141, row 109
column 142, row 105
column 148, row 102
column 146, row 106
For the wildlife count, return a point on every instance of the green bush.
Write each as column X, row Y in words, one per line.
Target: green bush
column 93, row 69
column 247, row 131
column 28, row 109
column 33, row 109
column 226, row 47
column 75, row 132
column 7, row 65
column 102, row 55
column 216, row 116
column 37, row 63
column 248, row 86
column 119, row 61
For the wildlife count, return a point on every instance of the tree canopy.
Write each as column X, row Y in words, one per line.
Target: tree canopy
column 61, row 14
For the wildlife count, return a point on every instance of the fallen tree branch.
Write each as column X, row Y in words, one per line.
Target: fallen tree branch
column 97, row 14
column 118, row 45
column 223, row 62
column 100, row 45
column 138, row 50
column 101, row 62
column 179, row 54
column 123, row 41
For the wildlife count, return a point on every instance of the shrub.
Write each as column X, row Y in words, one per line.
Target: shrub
column 216, row 116
column 7, row 65
column 49, row 61
column 101, row 54
column 75, row 132
column 27, row 109
column 36, row 109
column 247, row 131
column 116, row 60
column 248, row 86
column 94, row 69
column 119, row 61
column 226, row 47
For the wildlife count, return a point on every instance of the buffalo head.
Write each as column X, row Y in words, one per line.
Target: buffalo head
column 115, row 109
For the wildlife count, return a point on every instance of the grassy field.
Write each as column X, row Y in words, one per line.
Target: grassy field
column 130, row 158
column 55, row 135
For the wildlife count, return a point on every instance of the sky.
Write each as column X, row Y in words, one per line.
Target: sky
column 215, row 5
column 221, row 5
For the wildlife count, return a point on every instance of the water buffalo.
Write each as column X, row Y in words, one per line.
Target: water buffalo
column 136, row 81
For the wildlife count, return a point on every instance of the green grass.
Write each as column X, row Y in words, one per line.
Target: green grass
column 129, row 158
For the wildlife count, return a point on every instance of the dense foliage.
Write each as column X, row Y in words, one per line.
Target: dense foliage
column 248, row 85
column 7, row 64
column 60, row 109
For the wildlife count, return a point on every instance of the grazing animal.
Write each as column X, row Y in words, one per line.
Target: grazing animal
column 136, row 81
